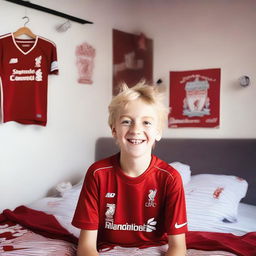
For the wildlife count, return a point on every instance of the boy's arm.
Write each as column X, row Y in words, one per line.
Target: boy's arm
column 87, row 243
column 177, row 245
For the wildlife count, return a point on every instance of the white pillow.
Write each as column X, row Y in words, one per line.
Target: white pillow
column 184, row 171
column 214, row 197
column 74, row 191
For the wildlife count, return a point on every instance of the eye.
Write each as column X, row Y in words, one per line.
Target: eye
column 147, row 123
column 126, row 122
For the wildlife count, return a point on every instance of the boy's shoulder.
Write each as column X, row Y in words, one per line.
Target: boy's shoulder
column 165, row 167
column 103, row 164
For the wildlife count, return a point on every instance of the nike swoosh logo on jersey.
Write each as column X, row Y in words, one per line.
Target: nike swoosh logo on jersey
column 180, row 225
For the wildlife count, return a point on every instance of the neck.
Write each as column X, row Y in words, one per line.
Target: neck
column 134, row 167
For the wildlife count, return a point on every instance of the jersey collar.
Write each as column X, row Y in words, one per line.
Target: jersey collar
column 17, row 46
column 128, row 179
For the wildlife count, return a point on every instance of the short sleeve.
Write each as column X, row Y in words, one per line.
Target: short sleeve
column 87, row 213
column 175, row 211
column 54, row 69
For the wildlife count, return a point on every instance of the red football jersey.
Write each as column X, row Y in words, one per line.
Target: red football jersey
column 131, row 212
column 24, row 68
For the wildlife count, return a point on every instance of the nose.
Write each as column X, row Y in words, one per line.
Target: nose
column 135, row 128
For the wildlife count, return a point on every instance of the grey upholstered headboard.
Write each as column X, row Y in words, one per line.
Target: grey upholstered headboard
column 217, row 156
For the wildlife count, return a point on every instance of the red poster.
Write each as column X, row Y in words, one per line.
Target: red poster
column 194, row 98
column 132, row 59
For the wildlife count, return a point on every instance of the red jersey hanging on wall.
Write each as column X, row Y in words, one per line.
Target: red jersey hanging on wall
column 194, row 98
column 24, row 68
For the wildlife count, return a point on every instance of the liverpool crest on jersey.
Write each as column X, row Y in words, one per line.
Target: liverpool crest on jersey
column 38, row 61
column 110, row 212
column 151, row 198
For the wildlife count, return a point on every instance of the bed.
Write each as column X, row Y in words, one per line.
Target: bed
column 218, row 173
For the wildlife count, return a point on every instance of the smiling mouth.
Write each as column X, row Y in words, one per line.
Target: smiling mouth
column 135, row 142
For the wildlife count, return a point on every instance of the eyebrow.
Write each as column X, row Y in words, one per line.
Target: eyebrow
column 150, row 117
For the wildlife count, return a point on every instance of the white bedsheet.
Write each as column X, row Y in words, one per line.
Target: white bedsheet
column 246, row 222
column 63, row 210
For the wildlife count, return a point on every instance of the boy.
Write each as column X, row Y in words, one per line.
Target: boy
column 133, row 203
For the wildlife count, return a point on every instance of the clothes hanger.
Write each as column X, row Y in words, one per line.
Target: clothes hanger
column 24, row 30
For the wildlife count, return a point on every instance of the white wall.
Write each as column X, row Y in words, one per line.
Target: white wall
column 202, row 34
column 187, row 35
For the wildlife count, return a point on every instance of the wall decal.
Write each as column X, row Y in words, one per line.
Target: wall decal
column 85, row 55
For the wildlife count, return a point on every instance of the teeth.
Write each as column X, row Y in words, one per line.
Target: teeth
column 136, row 141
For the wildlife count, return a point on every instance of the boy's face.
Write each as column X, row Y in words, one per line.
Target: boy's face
column 136, row 129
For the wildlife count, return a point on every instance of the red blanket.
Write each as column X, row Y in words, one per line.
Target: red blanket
column 47, row 225
column 39, row 222
column 241, row 245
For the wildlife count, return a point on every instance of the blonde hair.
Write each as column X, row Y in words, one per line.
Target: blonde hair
column 150, row 94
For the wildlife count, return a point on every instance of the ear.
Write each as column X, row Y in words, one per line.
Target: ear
column 113, row 130
column 158, row 136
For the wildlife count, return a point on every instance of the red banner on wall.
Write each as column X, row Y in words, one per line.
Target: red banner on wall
column 194, row 98
column 132, row 59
